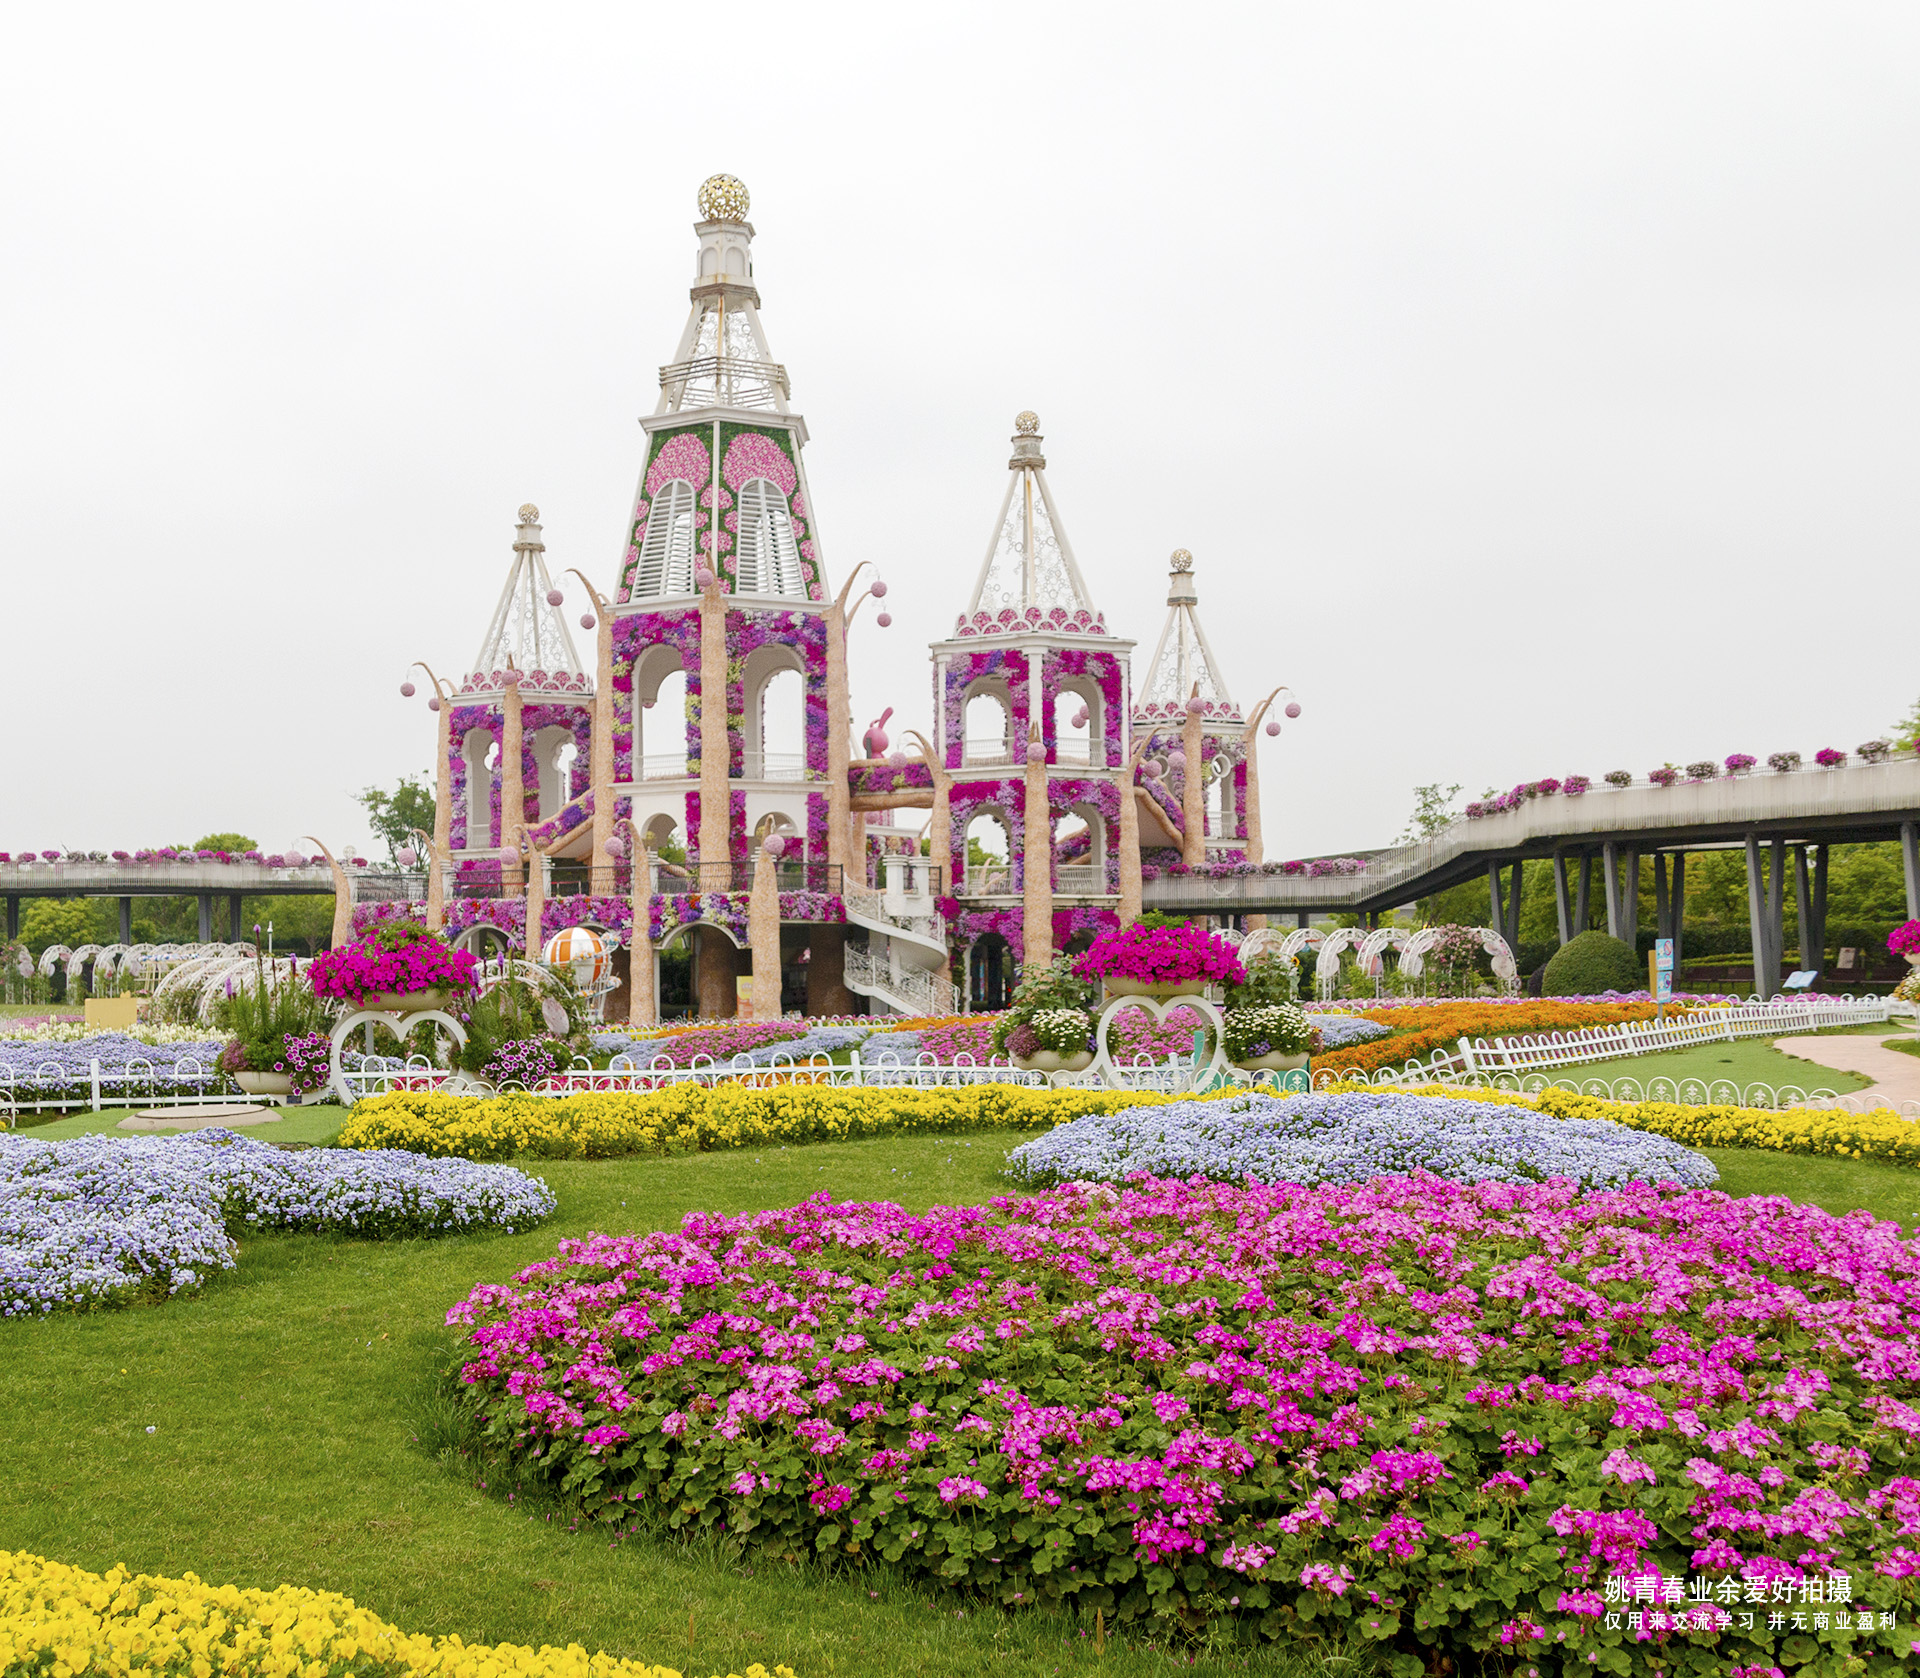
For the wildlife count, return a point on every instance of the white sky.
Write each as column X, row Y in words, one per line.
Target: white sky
column 1534, row 385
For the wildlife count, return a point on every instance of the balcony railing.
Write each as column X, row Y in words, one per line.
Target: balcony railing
column 681, row 879
column 992, row 750
column 1082, row 880
column 664, row 766
column 724, row 381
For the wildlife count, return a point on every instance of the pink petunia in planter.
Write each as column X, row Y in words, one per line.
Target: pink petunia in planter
column 1828, row 758
column 1156, row 956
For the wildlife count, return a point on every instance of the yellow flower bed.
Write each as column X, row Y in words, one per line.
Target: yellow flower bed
column 62, row 1621
column 1881, row 1134
column 688, row 1118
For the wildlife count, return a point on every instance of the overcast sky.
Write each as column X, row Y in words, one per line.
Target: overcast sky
column 1534, row 385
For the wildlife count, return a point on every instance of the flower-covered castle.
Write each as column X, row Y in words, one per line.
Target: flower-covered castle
column 637, row 793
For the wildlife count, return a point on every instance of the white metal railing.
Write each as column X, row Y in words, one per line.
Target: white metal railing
column 1083, row 879
column 664, row 766
column 988, row 882
column 1779, row 1018
column 774, row 766
column 993, row 750
column 923, row 992
column 1075, row 751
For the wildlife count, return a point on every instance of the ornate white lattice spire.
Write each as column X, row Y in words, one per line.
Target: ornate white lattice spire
column 1181, row 658
column 527, row 632
column 723, row 360
column 1029, row 579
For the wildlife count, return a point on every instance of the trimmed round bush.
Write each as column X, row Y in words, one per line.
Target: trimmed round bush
column 1593, row 962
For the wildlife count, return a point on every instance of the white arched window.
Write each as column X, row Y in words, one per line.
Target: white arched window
column 767, row 561
column 666, row 551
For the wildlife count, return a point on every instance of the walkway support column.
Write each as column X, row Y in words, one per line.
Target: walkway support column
column 13, row 918
column 1515, row 874
column 206, row 917
column 1678, row 911
column 1494, row 916
column 1561, row 915
column 1583, row 903
column 1764, row 893
column 1910, row 866
column 126, row 918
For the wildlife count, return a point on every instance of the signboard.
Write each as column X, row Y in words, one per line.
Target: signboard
column 1662, row 970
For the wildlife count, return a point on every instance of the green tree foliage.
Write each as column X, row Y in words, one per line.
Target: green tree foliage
column 1592, row 962
column 1907, row 730
column 396, row 814
column 1432, row 811
column 234, row 844
column 72, row 921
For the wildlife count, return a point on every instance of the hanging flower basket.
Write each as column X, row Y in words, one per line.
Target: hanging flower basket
column 264, row 1083
column 1270, row 1037
column 1051, row 1060
column 399, row 967
column 1273, row 1063
column 1158, row 958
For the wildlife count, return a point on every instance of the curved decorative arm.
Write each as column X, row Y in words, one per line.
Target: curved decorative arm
column 924, row 746
column 443, row 689
column 599, row 600
column 1259, row 711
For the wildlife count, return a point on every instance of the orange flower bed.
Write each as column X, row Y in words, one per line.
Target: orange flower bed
column 1420, row 1030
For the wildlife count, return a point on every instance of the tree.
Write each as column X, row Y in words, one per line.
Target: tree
column 1907, row 729
column 72, row 921
column 234, row 844
column 1432, row 811
column 395, row 815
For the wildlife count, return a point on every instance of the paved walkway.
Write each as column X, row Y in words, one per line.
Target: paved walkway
column 1896, row 1077
column 207, row 1118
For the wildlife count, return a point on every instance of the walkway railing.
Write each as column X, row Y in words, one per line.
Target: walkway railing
column 140, row 1083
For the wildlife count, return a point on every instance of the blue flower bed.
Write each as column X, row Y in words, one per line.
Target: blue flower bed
column 1340, row 1032
column 54, row 1069
column 105, row 1220
column 1351, row 1138
column 822, row 1040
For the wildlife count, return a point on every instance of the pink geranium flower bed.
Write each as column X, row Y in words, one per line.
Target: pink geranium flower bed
column 1439, row 1416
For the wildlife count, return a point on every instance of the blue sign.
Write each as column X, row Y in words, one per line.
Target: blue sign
column 1663, row 954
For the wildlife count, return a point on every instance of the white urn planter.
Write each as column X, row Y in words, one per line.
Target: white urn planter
column 265, row 1083
column 405, row 1002
column 1051, row 1060
column 1272, row 1063
column 1139, row 987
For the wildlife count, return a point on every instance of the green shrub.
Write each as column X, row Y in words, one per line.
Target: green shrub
column 1591, row 963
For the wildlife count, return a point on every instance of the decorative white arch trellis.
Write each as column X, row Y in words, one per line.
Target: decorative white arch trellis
column 51, row 954
column 1505, row 968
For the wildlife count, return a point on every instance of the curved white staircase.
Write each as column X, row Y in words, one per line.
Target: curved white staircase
column 903, row 963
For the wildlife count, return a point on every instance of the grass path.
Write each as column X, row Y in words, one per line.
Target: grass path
column 1744, row 1061
column 299, row 1438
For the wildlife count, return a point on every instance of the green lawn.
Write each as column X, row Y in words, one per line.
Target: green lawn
column 298, row 1439
column 1746, row 1060
column 314, row 1124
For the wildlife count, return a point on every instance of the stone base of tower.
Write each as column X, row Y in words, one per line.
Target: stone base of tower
column 827, row 991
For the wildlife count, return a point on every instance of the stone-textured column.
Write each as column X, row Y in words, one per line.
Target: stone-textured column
column 1130, row 839
column 342, row 895
column 441, row 859
column 839, row 727
column 1193, row 791
column 643, row 1008
column 1036, row 877
column 1256, row 844
column 601, row 781
column 715, row 803
column 536, row 899
column 763, row 931
column 513, row 792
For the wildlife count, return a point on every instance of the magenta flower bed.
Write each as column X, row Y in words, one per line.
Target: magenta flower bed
column 717, row 1042
column 1433, row 1415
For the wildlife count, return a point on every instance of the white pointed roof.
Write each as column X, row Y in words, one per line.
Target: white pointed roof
column 723, row 360
column 527, row 634
column 1029, row 579
column 1181, row 658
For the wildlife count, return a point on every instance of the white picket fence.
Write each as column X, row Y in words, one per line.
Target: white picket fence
column 140, row 1083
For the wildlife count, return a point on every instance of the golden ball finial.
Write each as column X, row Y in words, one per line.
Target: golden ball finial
column 1026, row 422
column 1182, row 560
column 529, row 514
column 723, row 198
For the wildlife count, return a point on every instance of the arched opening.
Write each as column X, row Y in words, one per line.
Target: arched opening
column 771, row 823
column 1077, row 742
column 767, row 559
column 550, row 744
column 666, row 551
column 478, row 752
column 989, row 973
column 989, row 869
column 774, row 725
column 660, row 716
column 1221, row 822
column 663, row 839
column 1080, row 847
column 987, row 725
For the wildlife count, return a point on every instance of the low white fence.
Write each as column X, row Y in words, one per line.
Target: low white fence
column 623, row 1074
column 49, row 1086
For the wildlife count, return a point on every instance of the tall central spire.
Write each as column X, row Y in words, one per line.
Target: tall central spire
column 723, row 360
column 1183, row 663
column 1029, row 578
